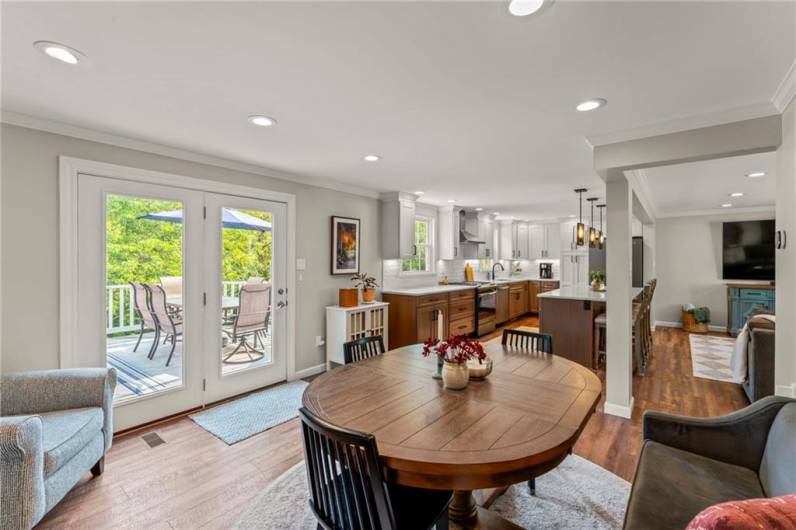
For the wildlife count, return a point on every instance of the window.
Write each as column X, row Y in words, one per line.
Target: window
column 424, row 247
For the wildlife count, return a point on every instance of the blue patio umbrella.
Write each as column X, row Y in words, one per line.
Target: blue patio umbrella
column 230, row 218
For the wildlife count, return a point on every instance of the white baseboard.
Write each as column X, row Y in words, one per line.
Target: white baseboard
column 668, row 324
column 786, row 390
column 312, row 370
column 623, row 411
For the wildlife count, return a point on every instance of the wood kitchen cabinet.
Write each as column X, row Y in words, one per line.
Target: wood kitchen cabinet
column 415, row 318
column 428, row 322
column 533, row 296
column 518, row 299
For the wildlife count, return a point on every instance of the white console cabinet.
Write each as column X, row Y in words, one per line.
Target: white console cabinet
column 344, row 324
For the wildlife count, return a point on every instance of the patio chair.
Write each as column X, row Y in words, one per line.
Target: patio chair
column 141, row 304
column 254, row 311
column 173, row 287
column 165, row 321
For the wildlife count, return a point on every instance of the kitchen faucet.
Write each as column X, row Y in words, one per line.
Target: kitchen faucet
column 497, row 264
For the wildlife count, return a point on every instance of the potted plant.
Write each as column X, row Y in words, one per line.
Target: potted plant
column 368, row 285
column 454, row 354
column 597, row 279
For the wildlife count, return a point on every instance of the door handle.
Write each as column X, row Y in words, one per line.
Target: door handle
column 281, row 304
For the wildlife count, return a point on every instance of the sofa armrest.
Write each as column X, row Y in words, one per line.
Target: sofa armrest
column 52, row 390
column 738, row 438
column 22, row 502
column 761, row 363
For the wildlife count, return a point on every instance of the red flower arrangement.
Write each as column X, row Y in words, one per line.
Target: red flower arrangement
column 458, row 349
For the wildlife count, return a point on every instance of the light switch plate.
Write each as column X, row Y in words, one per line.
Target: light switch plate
column 301, row 264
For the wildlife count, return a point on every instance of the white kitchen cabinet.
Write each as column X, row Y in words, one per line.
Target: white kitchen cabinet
column 397, row 225
column 569, row 235
column 344, row 324
column 574, row 267
column 486, row 233
column 536, row 241
column 521, row 240
column 552, row 233
column 506, row 235
column 449, row 245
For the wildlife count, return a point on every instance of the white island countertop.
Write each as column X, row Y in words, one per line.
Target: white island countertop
column 583, row 292
column 431, row 289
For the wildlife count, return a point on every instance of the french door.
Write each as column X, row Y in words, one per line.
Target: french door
column 182, row 291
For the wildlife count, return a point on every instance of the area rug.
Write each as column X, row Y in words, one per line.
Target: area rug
column 710, row 357
column 245, row 417
column 576, row 495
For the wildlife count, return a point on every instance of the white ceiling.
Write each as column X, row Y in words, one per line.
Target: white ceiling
column 705, row 186
column 462, row 100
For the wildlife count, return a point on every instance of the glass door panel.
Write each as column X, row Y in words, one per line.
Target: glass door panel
column 138, row 294
column 245, row 277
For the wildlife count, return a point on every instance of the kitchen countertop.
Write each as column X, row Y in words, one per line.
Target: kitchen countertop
column 431, row 289
column 582, row 292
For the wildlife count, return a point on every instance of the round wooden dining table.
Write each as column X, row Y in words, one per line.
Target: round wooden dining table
column 518, row 423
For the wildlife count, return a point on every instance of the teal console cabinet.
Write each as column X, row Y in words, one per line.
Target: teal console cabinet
column 743, row 299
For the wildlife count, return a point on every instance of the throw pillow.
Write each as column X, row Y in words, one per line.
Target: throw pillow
column 776, row 513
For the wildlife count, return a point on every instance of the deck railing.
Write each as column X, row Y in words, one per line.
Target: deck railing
column 122, row 316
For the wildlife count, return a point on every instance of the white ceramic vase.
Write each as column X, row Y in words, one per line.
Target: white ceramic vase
column 455, row 376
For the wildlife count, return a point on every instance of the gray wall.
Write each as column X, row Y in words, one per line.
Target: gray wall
column 30, row 240
column 688, row 265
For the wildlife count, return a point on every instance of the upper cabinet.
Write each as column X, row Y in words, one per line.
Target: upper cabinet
column 514, row 242
column 521, row 240
column 569, row 235
column 544, row 241
column 397, row 225
column 449, row 245
column 486, row 233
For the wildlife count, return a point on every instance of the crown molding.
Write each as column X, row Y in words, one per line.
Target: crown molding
column 93, row 135
column 696, row 121
column 786, row 89
column 718, row 211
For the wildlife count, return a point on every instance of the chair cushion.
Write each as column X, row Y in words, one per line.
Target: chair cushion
column 761, row 323
column 778, row 513
column 672, row 486
column 65, row 433
column 778, row 466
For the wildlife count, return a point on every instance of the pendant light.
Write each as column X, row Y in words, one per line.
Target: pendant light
column 593, row 236
column 601, row 237
column 580, row 234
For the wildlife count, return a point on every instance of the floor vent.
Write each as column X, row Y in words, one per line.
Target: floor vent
column 153, row 439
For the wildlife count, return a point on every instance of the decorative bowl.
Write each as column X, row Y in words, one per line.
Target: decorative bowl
column 479, row 371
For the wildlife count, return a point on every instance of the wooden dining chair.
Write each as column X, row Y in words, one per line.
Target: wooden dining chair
column 364, row 348
column 347, row 487
column 528, row 340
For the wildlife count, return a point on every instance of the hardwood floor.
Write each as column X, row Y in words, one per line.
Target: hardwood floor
column 195, row 480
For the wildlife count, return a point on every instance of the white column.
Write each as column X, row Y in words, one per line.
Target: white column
column 619, row 261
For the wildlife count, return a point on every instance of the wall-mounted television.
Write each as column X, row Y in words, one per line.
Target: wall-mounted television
column 748, row 250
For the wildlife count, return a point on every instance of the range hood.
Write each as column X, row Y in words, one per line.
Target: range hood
column 468, row 222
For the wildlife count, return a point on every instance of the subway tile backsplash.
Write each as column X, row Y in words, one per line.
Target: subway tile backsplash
column 454, row 270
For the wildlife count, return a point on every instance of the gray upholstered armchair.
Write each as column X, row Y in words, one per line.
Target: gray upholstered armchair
column 55, row 426
column 688, row 464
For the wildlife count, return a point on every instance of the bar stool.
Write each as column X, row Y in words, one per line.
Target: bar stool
column 599, row 339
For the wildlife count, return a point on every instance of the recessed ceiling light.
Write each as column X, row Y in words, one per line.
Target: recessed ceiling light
column 451, row 201
column 726, row 205
column 420, row 192
column 372, row 158
column 59, row 51
column 523, row 8
column 756, row 174
column 262, row 121
column 591, row 104
column 479, row 209
column 736, row 194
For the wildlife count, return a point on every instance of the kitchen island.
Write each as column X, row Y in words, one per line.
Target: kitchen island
column 568, row 315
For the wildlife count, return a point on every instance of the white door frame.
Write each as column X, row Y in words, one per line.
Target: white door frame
column 70, row 168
